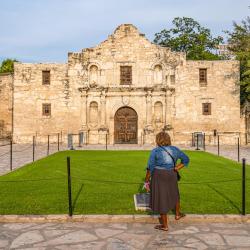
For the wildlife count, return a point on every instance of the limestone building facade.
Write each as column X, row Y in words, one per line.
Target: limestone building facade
column 6, row 81
column 130, row 89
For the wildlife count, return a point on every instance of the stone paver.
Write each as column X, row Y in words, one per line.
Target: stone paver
column 124, row 236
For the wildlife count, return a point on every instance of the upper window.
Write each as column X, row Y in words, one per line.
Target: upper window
column 46, row 109
column 46, row 77
column 203, row 76
column 206, row 108
column 172, row 79
column 126, row 75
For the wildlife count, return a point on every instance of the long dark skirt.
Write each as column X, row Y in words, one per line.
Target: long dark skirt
column 164, row 191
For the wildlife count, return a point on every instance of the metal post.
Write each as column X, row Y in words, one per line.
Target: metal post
column 197, row 142
column 11, row 149
column 58, row 142
column 238, row 149
column 106, row 141
column 243, row 186
column 48, row 146
column 218, row 145
column 193, row 140
column 33, row 148
column 204, row 142
column 69, row 187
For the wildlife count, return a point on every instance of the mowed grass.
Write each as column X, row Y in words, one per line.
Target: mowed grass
column 104, row 182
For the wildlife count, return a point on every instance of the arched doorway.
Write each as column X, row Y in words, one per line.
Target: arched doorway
column 126, row 126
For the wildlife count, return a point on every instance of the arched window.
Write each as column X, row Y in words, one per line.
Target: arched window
column 158, row 74
column 93, row 74
column 93, row 113
column 158, row 112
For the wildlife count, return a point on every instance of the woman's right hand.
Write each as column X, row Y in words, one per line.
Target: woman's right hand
column 147, row 186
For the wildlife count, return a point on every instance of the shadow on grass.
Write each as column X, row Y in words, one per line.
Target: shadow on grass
column 225, row 197
column 77, row 196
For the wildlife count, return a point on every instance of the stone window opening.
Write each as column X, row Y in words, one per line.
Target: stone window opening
column 46, row 77
column 126, row 75
column 46, row 109
column 206, row 108
column 203, row 77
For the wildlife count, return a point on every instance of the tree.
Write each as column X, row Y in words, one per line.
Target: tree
column 7, row 65
column 189, row 36
column 239, row 44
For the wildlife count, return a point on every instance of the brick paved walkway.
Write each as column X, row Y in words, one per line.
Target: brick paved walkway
column 119, row 236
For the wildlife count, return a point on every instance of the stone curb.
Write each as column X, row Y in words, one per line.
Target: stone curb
column 105, row 218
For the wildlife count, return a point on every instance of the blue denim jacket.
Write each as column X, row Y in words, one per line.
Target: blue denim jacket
column 160, row 158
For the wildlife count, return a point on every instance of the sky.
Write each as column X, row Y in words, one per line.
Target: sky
column 46, row 30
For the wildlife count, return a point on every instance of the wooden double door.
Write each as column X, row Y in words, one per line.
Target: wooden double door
column 126, row 123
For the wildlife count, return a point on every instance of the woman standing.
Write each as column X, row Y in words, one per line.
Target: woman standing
column 163, row 170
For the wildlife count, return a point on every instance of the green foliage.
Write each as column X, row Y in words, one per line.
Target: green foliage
column 239, row 41
column 189, row 36
column 104, row 182
column 7, row 65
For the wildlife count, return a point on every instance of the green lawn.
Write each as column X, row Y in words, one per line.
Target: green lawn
column 103, row 182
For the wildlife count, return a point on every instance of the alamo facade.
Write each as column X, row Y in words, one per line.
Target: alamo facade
column 125, row 87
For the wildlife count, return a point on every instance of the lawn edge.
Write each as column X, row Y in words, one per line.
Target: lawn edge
column 105, row 218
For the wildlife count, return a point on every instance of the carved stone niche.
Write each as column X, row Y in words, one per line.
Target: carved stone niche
column 93, row 76
column 158, row 115
column 158, row 74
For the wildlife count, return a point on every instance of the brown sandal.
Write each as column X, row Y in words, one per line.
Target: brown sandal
column 161, row 227
column 178, row 217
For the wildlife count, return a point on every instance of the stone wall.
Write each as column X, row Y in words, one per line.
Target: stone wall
column 221, row 90
column 86, row 93
column 30, row 94
column 5, row 104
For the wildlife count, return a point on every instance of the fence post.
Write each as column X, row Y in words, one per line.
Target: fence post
column 218, row 145
column 48, row 146
column 58, row 142
column 204, row 142
column 197, row 142
column 11, row 150
column 33, row 148
column 193, row 144
column 69, row 187
column 238, row 149
column 243, row 186
column 106, row 141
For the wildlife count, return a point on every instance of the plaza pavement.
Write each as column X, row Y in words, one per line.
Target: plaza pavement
column 123, row 236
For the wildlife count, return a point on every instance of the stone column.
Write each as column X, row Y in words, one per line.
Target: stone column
column 103, row 108
column 168, row 107
column 84, row 112
column 103, row 130
column 84, row 97
column 169, row 113
column 148, row 130
column 149, row 108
